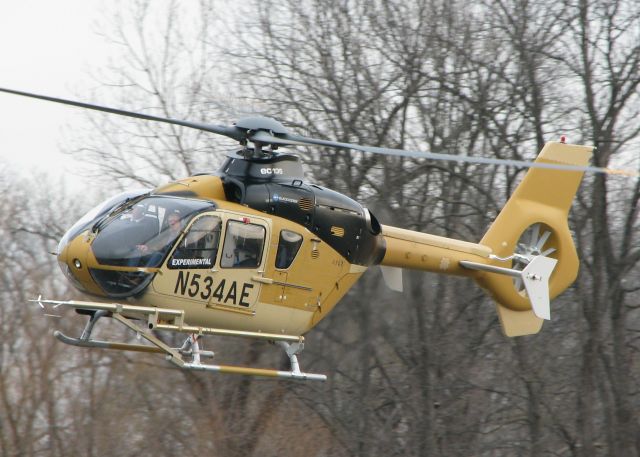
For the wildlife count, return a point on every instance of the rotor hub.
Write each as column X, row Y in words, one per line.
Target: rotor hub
column 257, row 123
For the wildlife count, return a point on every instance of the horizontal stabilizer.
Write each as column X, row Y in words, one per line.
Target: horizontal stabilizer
column 535, row 278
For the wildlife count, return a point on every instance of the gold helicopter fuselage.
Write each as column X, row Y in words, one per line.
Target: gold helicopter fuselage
column 260, row 250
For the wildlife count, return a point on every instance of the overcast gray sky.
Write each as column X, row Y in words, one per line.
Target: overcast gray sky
column 45, row 47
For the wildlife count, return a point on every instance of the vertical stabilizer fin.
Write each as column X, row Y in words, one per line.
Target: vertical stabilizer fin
column 540, row 204
column 392, row 277
column 536, row 280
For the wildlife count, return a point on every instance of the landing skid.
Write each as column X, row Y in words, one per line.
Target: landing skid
column 188, row 356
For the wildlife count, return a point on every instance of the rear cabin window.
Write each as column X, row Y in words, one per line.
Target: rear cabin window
column 243, row 245
column 288, row 246
column 199, row 247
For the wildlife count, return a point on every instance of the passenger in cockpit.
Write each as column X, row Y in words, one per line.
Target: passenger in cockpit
column 144, row 227
column 158, row 247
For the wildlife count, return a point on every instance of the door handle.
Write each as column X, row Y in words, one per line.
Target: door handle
column 263, row 280
column 284, row 284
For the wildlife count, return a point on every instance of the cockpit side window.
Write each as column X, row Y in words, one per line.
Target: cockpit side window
column 243, row 245
column 199, row 246
column 288, row 246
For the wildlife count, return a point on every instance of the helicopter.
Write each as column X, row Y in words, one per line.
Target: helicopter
column 256, row 251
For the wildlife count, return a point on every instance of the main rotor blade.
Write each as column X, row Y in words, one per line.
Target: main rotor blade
column 231, row 132
column 297, row 140
column 262, row 134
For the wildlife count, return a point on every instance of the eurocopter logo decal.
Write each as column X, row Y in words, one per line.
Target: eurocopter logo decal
column 278, row 198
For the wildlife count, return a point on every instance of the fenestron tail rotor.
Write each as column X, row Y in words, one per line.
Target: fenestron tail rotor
column 265, row 131
column 536, row 240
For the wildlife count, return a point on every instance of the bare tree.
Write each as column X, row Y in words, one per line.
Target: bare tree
column 163, row 64
column 490, row 78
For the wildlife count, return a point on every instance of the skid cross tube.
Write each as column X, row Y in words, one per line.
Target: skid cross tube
column 225, row 332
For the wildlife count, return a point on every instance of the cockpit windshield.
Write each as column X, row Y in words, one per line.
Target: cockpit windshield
column 97, row 212
column 143, row 234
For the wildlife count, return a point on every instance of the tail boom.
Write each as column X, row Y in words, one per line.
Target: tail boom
column 422, row 251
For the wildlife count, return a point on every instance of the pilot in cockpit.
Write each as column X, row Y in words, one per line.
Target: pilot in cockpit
column 162, row 243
